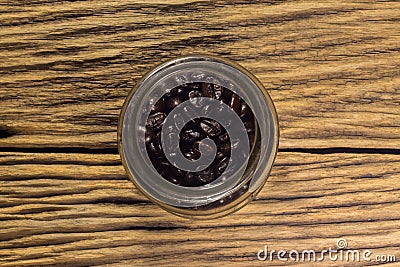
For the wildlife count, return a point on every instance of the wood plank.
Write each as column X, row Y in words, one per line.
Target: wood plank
column 332, row 68
column 80, row 209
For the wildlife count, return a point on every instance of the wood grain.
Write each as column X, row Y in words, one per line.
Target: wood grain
column 78, row 209
column 331, row 67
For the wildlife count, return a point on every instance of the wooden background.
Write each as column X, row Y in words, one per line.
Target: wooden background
column 332, row 69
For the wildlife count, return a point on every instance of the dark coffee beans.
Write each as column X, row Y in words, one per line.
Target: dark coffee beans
column 155, row 121
column 194, row 131
column 210, row 127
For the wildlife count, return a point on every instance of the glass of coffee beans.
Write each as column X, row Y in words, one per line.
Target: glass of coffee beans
column 198, row 136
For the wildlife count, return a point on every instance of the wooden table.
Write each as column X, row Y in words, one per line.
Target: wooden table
column 332, row 69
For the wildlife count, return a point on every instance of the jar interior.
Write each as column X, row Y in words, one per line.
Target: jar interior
column 143, row 129
column 194, row 131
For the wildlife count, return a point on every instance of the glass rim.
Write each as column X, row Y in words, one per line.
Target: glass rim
column 202, row 57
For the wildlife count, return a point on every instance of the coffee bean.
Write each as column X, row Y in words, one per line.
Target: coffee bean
column 147, row 139
column 210, row 127
column 244, row 110
column 238, row 193
column 207, row 90
column 191, row 135
column 205, row 176
column 223, row 137
column 216, row 87
column 192, row 155
column 219, row 155
column 155, row 147
column 194, row 131
column 235, row 103
column 155, row 121
column 225, row 148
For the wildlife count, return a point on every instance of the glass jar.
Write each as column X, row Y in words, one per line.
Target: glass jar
column 198, row 136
